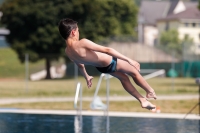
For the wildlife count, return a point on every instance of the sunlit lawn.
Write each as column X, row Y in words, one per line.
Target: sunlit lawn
column 11, row 67
column 66, row 87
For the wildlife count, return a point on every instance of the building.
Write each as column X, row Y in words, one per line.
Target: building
column 151, row 11
column 187, row 23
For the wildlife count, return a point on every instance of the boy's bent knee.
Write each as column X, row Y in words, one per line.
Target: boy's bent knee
column 134, row 74
column 123, row 78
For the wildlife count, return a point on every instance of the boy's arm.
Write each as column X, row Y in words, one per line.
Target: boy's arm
column 88, row 78
column 110, row 51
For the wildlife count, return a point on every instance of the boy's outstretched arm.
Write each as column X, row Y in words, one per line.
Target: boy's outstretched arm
column 110, row 51
column 88, row 78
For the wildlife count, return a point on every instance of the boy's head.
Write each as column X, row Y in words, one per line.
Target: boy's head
column 66, row 26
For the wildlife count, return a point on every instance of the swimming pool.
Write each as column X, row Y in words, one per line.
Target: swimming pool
column 51, row 123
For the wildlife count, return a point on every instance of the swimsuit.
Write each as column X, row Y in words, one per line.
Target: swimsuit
column 110, row 68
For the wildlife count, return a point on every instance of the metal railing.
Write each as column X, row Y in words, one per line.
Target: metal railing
column 78, row 118
column 96, row 103
column 78, row 92
column 105, row 108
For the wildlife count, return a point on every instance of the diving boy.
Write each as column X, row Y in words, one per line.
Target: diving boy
column 106, row 60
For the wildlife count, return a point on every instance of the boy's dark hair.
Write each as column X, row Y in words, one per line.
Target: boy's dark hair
column 66, row 26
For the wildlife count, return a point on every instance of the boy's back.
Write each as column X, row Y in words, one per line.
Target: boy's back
column 79, row 52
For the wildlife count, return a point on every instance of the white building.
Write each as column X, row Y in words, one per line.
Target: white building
column 186, row 22
column 151, row 11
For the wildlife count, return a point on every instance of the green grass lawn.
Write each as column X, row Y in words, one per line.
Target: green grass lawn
column 66, row 87
column 9, row 64
column 11, row 67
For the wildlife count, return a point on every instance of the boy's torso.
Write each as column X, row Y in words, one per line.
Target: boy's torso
column 85, row 56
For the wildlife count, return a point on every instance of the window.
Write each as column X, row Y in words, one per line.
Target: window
column 186, row 24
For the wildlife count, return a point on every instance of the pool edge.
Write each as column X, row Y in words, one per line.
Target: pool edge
column 101, row 113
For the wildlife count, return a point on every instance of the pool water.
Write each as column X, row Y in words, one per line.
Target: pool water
column 40, row 123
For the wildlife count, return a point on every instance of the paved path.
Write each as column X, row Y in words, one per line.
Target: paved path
column 4, row 101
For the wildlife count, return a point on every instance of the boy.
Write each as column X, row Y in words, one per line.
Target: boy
column 106, row 60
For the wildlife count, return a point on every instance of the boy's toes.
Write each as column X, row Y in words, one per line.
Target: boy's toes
column 151, row 95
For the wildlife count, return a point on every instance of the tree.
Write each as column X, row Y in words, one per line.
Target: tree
column 102, row 18
column 33, row 30
column 33, row 24
column 170, row 41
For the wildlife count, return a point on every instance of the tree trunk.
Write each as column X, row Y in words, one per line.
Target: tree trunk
column 48, row 65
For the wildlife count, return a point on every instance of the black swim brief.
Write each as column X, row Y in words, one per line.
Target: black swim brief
column 110, row 68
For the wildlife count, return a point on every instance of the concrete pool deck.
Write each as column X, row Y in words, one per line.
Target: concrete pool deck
column 101, row 113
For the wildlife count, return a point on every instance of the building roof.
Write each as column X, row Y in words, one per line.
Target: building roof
column 190, row 4
column 189, row 13
column 154, row 10
column 173, row 5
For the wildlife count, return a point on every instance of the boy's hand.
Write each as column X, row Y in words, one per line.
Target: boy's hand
column 135, row 64
column 89, row 81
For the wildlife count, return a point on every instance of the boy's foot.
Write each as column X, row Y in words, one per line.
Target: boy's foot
column 148, row 105
column 151, row 95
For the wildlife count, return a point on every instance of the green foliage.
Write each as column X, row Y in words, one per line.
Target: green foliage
column 102, row 18
column 32, row 28
column 170, row 40
column 33, row 23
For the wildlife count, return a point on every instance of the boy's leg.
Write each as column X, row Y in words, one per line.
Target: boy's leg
column 125, row 67
column 131, row 90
